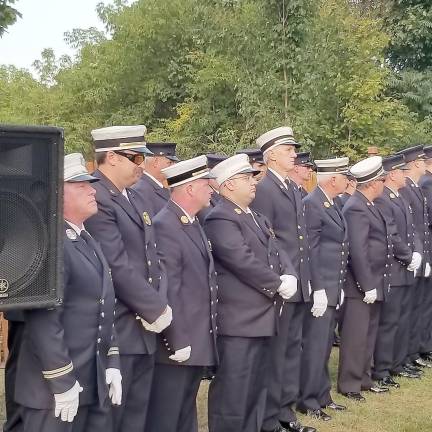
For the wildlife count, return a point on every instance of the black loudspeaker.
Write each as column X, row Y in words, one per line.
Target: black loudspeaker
column 31, row 217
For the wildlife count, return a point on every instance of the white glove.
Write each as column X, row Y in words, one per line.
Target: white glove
column 114, row 381
column 288, row 287
column 342, row 297
column 66, row 404
column 161, row 323
column 370, row 296
column 415, row 262
column 427, row 270
column 320, row 303
column 181, row 355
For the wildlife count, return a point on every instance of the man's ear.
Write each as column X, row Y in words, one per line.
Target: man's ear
column 271, row 156
column 229, row 185
column 111, row 158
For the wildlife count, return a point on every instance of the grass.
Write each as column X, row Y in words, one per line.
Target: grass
column 408, row 409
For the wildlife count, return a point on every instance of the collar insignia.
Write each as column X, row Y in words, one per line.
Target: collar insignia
column 71, row 234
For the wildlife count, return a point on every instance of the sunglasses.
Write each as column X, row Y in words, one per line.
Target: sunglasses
column 135, row 158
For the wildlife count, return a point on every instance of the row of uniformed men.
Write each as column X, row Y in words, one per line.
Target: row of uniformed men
column 253, row 289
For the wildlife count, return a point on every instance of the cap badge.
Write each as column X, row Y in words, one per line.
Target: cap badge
column 71, row 234
column 184, row 219
column 238, row 211
column 146, row 218
column 392, row 195
column 327, row 204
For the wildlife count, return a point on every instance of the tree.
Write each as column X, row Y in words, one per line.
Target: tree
column 8, row 15
column 214, row 74
column 409, row 23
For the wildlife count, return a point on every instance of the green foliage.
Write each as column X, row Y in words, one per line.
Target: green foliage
column 341, row 102
column 215, row 74
column 8, row 15
column 410, row 25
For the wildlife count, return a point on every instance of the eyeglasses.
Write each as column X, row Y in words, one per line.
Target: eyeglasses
column 248, row 177
column 135, row 158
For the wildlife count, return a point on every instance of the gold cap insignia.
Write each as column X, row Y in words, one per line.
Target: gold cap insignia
column 238, row 211
column 392, row 195
column 71, row 234
column 184, row 219
column 327, row 204
column 146, row 218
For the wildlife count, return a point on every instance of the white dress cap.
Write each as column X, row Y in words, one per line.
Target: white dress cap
column 75, row 169
column 368, row 169
column 187, row 170
column 230, row 167
column 279, row 136
column 120, row 138
column 332, row 166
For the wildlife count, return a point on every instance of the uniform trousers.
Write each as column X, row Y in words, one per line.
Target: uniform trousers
column 426, row 324
column 417, row 298
column 388, row 327
column 173, row 398
column 285, row 359
column 88, row 419
column 315, row 382
column 13, row 410
column 137, row 374
column 237, row 394
column 358, row 339
column 402, row 338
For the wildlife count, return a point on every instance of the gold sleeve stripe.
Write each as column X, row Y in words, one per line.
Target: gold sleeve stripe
column 55, row 373
column 113, row 351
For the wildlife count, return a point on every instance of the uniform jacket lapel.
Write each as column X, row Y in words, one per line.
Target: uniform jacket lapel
column 280, row 186
column 331, row 209
column 370, row 206
column 417, row 191
column 397, row 199
column 84, row 248
column 191, row 230
column 119, row 198
column 162, row 192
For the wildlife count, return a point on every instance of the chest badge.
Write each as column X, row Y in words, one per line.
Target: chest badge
column 146, row 218
column 71, row 234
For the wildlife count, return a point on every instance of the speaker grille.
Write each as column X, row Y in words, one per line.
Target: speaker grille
column 31, row 248
column 23, row 243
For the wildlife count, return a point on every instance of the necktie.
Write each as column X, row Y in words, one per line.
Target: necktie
column 91, row 243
